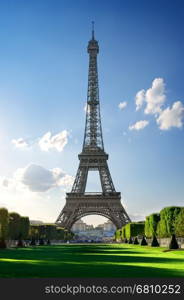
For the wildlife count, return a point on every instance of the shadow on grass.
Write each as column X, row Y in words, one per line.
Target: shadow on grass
column 71, row 269
column 87, row 261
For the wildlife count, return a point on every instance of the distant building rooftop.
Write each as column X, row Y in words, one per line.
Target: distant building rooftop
column 36, row 222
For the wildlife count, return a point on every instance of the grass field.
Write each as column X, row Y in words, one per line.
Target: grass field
column 92, row 260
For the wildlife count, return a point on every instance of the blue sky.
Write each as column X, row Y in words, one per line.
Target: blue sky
column 43, row 87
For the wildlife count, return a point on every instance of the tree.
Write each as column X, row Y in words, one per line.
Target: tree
column 123, row 232
column 144, row 242
column 136, row 241
column 18, row 228
column 59, row 233
column 3, row 227
column 23, row 230
column 24, row 227
column 118, row 235
column 179, row 224
column 151, row 224
column 173, row 243
column 154, row 242
column 33, row 234
column 14, row 226
column 132, row 229
column 50, row 232
column 42, row 234
column 168, row 217
column 130, row 240
column 68, row 235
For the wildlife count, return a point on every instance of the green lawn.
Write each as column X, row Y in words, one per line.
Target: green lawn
column 92, row 260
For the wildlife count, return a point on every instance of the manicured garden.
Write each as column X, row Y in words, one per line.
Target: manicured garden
column 91, row 260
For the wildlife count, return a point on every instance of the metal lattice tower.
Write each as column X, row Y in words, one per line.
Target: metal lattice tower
column 93, row 157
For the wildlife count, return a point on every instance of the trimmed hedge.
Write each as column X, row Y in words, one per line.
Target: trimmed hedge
column 3, row 223
column 136, row 242
column 154, row 242
column 118, row 235
column 167, row 224
column 49, row 232
column 151, row 224
column 179, row 224
column 123, row 234
column 173, row 243
column 130, row 230
column 133, row 229
column 169, row 221
column 144, row 242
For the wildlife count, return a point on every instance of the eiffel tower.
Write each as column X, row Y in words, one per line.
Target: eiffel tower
column 93, row 157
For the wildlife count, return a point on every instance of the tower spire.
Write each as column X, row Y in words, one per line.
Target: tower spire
column 93, row 31
column 93, row 131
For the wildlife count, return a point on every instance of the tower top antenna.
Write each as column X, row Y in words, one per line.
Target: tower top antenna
column 93, row 31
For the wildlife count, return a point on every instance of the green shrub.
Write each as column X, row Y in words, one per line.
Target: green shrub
column 134, row 229
column 136, row 241
column 154, row 242
column 168, row 217
column 2, row 244
column 20, row 243
column 3, row 227
column 33, row 242
column 34, row 233
column 14, row 226
column 130, row 241
column 123, row 234
column 144, row 242
column 41, row 242
column 118, row 235
column 59, row 233
column 151, row 224
column 173, row 243
column 24, row 227
column 179, row 224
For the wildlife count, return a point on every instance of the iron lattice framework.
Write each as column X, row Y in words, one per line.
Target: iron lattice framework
column 93, row 157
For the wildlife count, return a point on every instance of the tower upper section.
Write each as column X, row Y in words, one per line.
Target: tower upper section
column 93, row 48
column 93, row 139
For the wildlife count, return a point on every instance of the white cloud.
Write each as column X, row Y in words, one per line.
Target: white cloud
column 139, row 99
column 139, row 125
column 57, row 141
column 39, row 179
column 137, row 217
column 154, row 97
column 10, row 184
column 122, row 105
column 4, row 182
column 36, row 179
column 171, row 117
column 66, row 180
column 20, row 143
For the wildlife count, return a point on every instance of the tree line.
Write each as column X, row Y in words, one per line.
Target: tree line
column 169, row 222
column 18, row 228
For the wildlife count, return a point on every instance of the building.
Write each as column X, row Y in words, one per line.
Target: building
column 36, row 222
column 109, row 226
column 78, row 226
column 86, row 231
